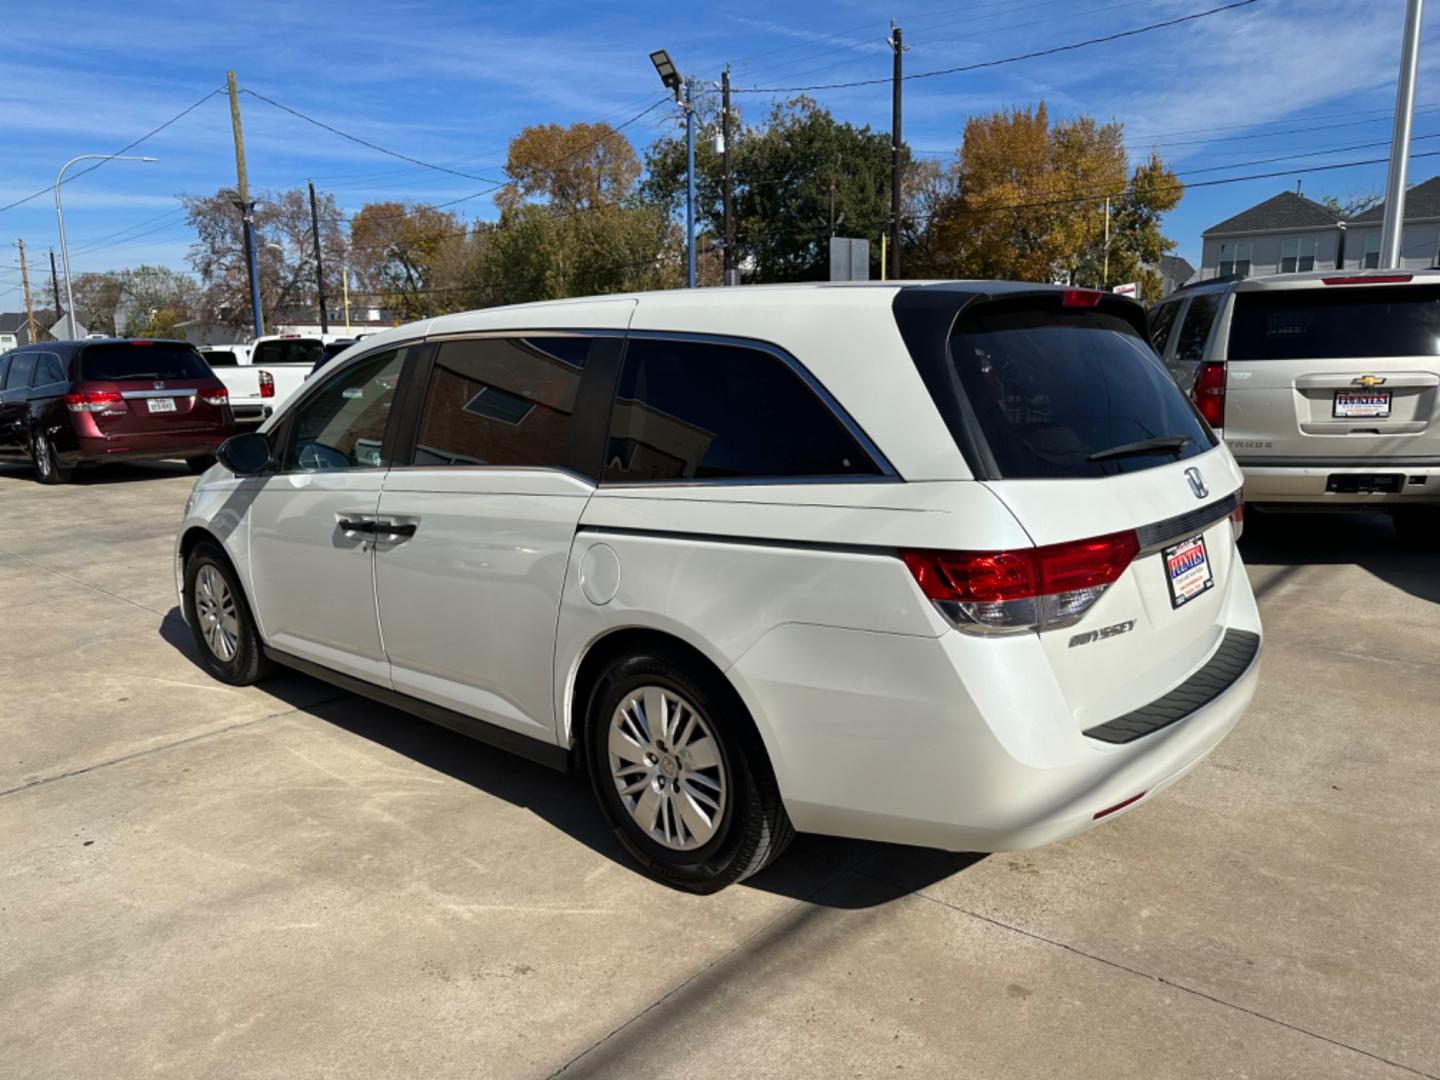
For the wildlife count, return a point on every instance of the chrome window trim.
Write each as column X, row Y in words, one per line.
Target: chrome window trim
column 569, row 331
column 822, row 394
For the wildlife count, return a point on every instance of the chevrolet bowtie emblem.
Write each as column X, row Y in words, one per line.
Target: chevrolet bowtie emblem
column 1368, row 380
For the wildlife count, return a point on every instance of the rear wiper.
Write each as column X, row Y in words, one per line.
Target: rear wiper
column 1171, row 443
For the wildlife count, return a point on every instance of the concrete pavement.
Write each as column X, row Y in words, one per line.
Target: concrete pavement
column 290, row 881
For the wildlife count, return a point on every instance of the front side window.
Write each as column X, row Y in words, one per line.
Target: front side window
column 21, row 368
column 501, row 401
column 689, row 410
column 1162, row 320
column 1199, row 317
column 1297, row 254
column 342, row 425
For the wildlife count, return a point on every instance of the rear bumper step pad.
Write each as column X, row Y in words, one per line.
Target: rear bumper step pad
column 1236, row 653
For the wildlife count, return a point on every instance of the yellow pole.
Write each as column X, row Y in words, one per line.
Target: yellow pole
column 345, row 287
column 883, row 264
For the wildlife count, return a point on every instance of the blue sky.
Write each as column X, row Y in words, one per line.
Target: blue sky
column 452, row 82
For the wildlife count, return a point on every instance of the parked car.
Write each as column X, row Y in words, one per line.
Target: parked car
column 331, row 350
column 260, row 376
column 71, row 403
column 1325, row 385
column 950, row 565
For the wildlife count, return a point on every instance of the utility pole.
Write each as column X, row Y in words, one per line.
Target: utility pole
column 1393, row 228
column 725, row 168
column 319, row 267
column 25, row 281
column 898, row 47
column 55, row 286
column 690, row 176
column 1105, row 273
column 247, row 208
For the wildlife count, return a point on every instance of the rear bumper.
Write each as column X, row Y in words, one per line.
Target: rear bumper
column 907, row 740
column 150, row 446
column 1309, row 481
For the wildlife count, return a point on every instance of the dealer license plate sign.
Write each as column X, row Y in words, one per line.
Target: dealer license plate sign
column 1362, row 404
column 162, row 404
column 1187, row 569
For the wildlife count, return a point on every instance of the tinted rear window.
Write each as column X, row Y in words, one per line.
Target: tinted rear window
column 1049, row 389
column 116, row 363
column 220, row 358
column 1336, row 322
column 290, row 351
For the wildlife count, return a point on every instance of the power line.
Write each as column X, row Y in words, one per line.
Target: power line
column 1119, row 35
column 128, row 146
column 366, row 142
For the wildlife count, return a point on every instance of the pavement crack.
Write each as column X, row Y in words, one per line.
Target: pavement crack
column 121, row 759
column 1160, row 979
column 85, row 584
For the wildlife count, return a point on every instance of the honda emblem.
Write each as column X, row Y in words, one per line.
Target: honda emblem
column 159, row 386
column 1197, row 483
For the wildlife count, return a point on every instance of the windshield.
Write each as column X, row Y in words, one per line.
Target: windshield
column 287, row 351
column 160, row 360
column 1336, row 322
column 1071, row 394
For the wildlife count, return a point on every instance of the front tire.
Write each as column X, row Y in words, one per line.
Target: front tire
column 680, row 773
column 220, row 619
column 48, row 469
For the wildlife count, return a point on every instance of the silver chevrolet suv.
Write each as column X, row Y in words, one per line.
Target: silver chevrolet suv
column 1324, row 385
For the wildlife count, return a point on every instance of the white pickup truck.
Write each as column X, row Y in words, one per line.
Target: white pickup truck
column 262, row 375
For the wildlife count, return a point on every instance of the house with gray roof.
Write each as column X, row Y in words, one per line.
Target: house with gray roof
column 1282, row 235
column 1174, row 272
column 15, row 330
column 1419, row 240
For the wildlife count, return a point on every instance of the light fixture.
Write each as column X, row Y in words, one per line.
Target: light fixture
column 665, row 67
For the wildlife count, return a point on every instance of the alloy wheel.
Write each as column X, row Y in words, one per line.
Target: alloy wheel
column 216, row 611
column 667, row 768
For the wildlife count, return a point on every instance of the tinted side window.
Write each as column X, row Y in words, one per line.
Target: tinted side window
column 21, row 368
column 287, row 351
column 695, row 411
column 342, row 425
column 1162, row 319
column 501, row 401
column 4, row 369
column 48, row 370
column 220, row 358
column 1199, row 317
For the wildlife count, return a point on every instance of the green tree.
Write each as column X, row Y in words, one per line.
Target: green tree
column 155, row 301
column 799, row 178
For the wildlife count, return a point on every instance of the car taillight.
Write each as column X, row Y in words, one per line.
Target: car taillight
column 1209, row 393
column 215, row 397
column 94, row 401
column 267, row 384
column 1041, row 588
column 1237, row 516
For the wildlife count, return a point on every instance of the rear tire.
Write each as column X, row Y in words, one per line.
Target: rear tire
column 1418, row 526
column 201, row 463
column 48, row 469
column 219, row 617
column 680, row 772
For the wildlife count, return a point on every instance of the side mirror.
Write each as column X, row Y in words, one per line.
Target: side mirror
column 245, row 455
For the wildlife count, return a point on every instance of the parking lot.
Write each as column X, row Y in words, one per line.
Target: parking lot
column 197, row 880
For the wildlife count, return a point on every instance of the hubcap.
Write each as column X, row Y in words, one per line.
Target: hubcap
column 667, row 768
column 42, row 453
column 216, row 614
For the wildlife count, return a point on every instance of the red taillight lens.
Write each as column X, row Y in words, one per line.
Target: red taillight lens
column 1237, row 517
column 1209, row 393
column 267, row 384
column 1374, row 279
column 1031, row 589
column 94, row 401
column 215, row 397
column 1080, row 298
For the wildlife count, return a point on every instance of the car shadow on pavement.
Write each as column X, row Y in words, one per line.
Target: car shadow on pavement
column 827, row 871
column 100, row 475
column 1290, row 542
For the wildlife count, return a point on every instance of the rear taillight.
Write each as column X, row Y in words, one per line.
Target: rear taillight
column 267, row 384
column 1237, row 516
column 1041, row 588
column 1209, row 393
column 95, row 401
column 217, row 397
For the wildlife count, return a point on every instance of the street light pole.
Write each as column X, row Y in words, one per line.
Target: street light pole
column 1392, row 228
column 60, row 218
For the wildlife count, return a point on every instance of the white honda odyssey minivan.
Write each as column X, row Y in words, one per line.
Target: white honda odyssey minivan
column 943, row 564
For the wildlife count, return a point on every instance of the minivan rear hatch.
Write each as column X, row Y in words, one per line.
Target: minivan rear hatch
column 1342, row 372
column 1063, row 410
column 144, row 387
